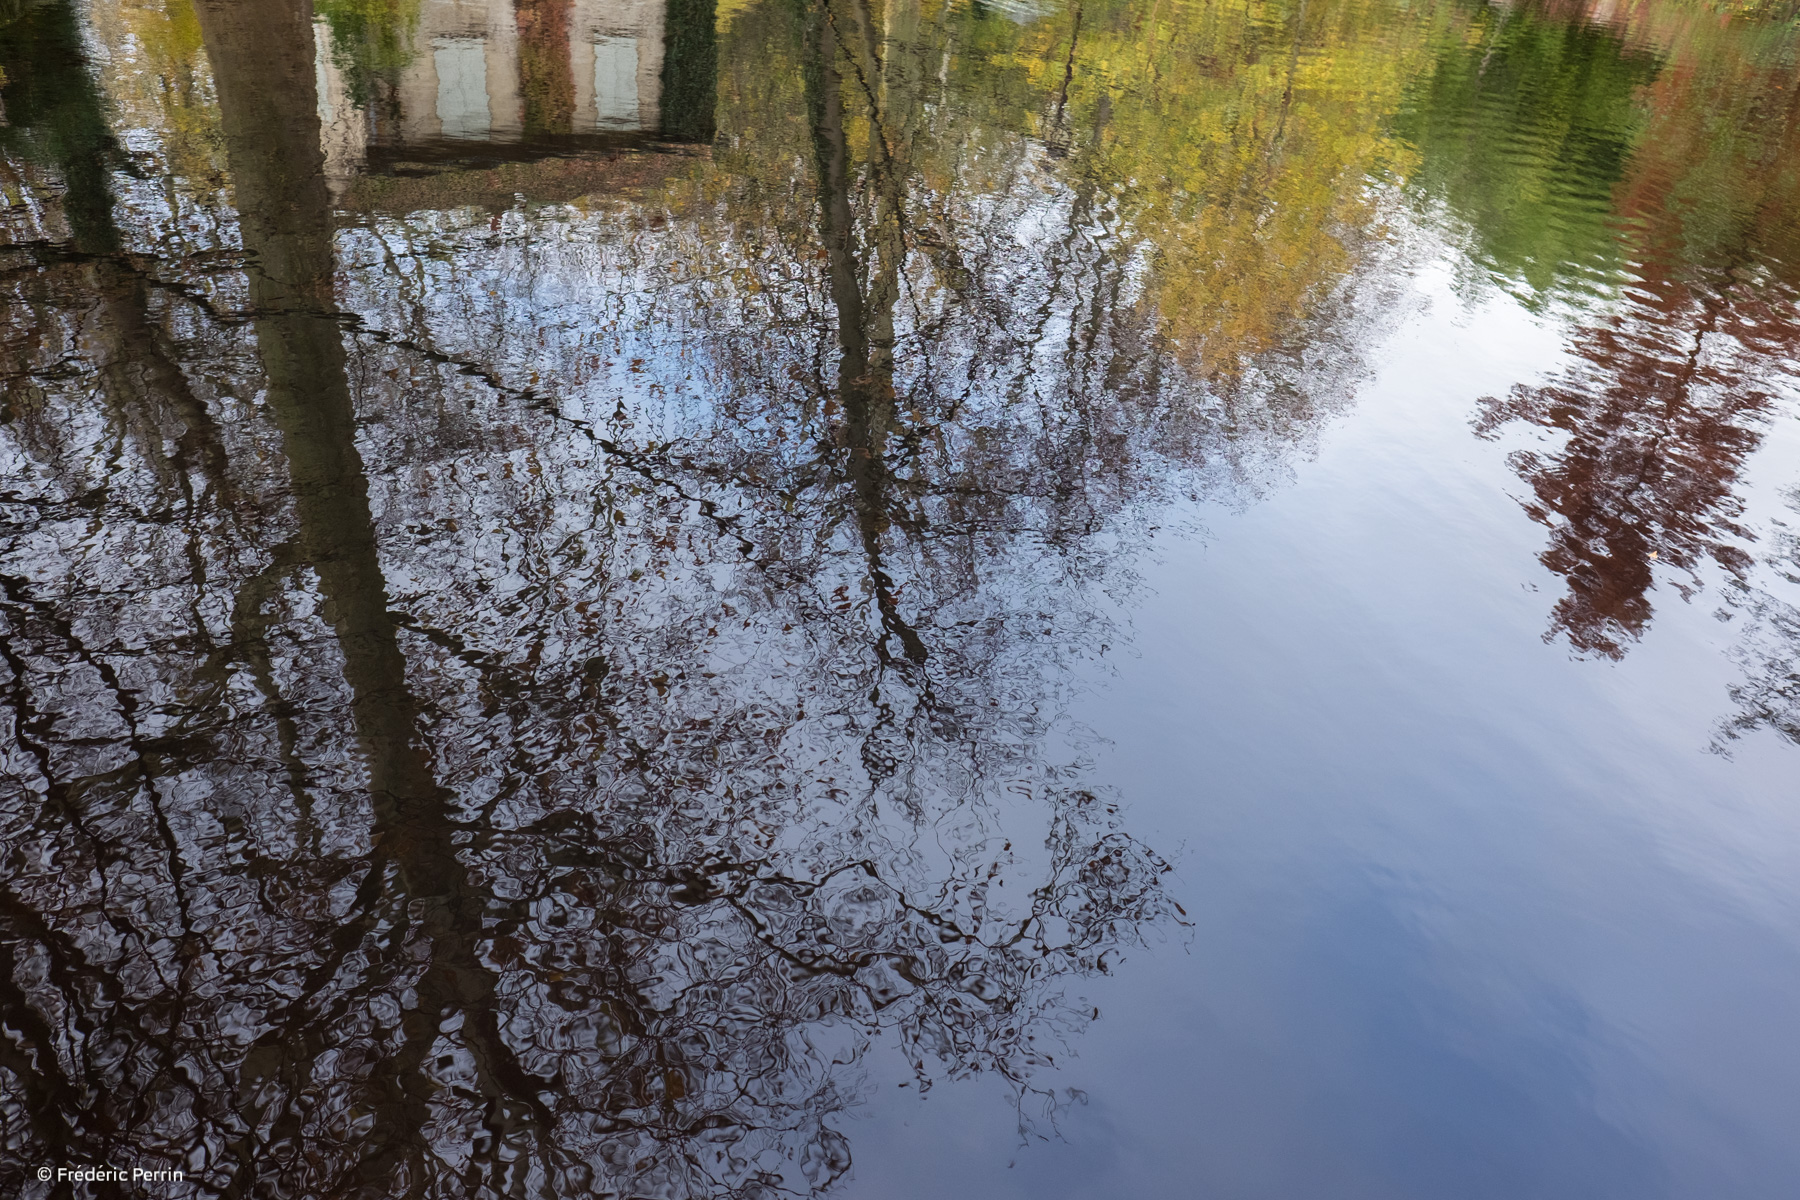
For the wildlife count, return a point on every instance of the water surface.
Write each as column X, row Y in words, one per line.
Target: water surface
column 798, row 597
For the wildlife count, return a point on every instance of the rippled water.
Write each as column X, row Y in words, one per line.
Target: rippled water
column 782, row 597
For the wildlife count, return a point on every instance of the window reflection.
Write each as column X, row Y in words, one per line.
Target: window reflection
column 462, row 87
column 616, row 83
column 502, row 76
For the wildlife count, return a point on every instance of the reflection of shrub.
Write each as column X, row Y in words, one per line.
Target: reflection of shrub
column 1768, row 10
column 370, row 40
column 690, row 72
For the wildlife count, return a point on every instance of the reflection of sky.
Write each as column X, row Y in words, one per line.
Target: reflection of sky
column 616, row 311
column 1471, row 919
column 589, row 298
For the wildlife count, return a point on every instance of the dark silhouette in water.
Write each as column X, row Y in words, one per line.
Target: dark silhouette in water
column 344, row 975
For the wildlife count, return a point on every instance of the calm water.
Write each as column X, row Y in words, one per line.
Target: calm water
column 1011, row 598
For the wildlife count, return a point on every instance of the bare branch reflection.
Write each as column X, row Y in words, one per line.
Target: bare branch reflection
column 416, row 791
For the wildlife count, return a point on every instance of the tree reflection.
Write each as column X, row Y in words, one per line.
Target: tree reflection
column 1524, row 125
column 1671, row 393
column 537, row 698
column 597, row 866
column 1768, row 697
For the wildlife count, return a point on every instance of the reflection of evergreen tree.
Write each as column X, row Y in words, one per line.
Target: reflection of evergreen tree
column 1523, row 126
column 690, row 71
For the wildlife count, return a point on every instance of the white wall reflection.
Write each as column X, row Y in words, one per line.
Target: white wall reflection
column 616, row 67
column 472, row 67
column 462, row 97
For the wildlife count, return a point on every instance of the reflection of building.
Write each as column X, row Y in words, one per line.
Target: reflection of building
column 344, row 131
column 518, row 78
column 480, row 66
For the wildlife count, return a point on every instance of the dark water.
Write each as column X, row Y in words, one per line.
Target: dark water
column 1066, row 599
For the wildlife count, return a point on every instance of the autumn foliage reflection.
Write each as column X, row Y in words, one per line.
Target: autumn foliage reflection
column 1672, row 391
column 541, row 681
